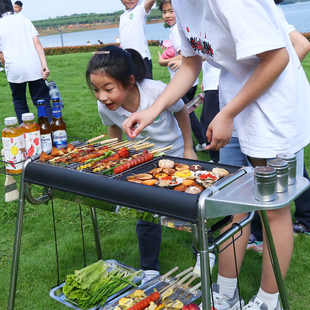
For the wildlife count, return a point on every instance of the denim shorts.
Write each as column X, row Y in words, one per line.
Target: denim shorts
column 231, row 155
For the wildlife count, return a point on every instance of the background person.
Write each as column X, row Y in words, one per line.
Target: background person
column 132, row 30
column 24, row 60
column 18, row 6
column 174, row 63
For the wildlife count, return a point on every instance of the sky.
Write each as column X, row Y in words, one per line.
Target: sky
column 44, row 9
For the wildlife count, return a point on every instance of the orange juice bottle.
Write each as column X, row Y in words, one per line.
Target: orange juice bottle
column 31, row 135
column 13, row 146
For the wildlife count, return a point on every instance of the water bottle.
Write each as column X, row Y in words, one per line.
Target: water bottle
column 54, row 92
column 195, row 103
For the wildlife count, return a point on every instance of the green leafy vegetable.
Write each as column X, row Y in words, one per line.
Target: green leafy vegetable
column 93, row 285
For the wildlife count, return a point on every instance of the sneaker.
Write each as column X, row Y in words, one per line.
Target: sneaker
column 256, row 304
column 149, row 275
column 254, row 244
column 299, row 228
column 211, row 264
column 223, row 302
column 200, row 147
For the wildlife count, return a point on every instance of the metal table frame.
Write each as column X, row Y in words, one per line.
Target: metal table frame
column 216, row 201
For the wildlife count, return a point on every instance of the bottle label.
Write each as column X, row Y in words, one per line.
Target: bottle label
column 14, row 152
column 60, row 139
column 33, row 143
column 46, row 143
column 56, row 110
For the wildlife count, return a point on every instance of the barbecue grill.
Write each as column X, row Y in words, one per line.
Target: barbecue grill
column 231, row 195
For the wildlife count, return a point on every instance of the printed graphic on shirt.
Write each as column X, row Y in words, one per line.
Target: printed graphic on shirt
column 131, row 16
column 200, row 46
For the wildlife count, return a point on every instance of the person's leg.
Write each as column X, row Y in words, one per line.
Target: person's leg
column 149, row 68
column 19, row 99
column 210, row 108
column 149, row 240
column 39, row 90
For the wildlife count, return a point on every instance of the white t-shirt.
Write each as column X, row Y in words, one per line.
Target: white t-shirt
column 175, row 40
column 22, row 62
column 163, row 131
column 278, row 121
column 210, row 76
column 132, row 30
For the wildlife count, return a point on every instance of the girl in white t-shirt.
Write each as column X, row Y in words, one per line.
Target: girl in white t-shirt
column 116, row 77
column 174, row 63
column 270, row 111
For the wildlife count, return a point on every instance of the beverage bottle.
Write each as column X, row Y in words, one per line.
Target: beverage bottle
column 58, row 126
column 195, row 103
column 54, row 92
column 45, row 128
column 13, row 145
column 31, row 135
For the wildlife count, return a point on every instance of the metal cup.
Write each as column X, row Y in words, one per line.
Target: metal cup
column 265, row 183
column 290, row 158
column 281, row 167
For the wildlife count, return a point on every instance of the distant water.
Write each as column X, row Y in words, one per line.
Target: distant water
column 297, row 14
column 153, row 32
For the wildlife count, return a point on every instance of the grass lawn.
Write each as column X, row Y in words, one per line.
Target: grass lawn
column 38, row 269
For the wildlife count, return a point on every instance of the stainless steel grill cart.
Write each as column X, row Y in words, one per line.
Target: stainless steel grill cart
column 231, row 195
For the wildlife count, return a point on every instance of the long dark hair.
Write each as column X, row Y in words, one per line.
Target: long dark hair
column 118, row 64
column 278, row 1
column 6, row 6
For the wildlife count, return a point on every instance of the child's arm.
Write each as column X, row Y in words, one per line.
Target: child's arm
column 148, row 5
column 39, row 48
column 185, row 126
column 2, row 58
column 164, row 62
column 300, row 44
column 182, row 81
column 272, row 63
column 115, row 132
column 175, row 64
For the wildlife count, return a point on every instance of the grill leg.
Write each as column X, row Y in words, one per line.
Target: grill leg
column 274, row 260
column 96, row 232
column 16, row 250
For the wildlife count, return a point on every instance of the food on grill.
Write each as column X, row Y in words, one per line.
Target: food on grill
column 195, row 167
column 221, row 172
column 206, row 178
column 166, row 163
column 169, row 171
column 180, row 188
column 193, row 190
column 179, row 167
column 188, row 182
column 140, row 176
column 156, row 171
column 134, row 162
column 161, row 175
column 168, row 181
column 150, row 182
column 191, row 306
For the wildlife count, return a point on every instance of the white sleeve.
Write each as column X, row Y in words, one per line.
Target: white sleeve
column 289, row 28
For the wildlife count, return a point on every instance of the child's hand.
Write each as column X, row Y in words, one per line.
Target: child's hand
column 161, row 60
column 219, row 131
column 175, row 64
column 190, row 154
